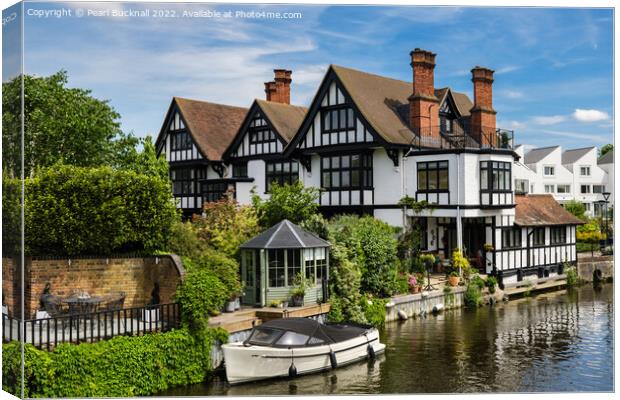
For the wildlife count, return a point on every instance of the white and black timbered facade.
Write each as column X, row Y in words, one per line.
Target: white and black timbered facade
column 368, row 141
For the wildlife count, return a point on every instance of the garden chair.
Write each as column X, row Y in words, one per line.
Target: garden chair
column 53, row 306
column 114, row 307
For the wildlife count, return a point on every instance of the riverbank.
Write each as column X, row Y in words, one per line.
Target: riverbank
column 552, row 341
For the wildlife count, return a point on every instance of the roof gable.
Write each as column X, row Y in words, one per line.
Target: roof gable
column 212, row 126
column 536, row 155
column 607, row 158
column 574, row 155
column 542, row 210
column 285, row 235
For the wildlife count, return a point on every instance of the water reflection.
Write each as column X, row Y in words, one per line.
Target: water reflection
column 560, row 341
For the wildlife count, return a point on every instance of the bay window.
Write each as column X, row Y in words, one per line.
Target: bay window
column 286, row 172
column 350, row 171
column 495, row 176
column 433, row 176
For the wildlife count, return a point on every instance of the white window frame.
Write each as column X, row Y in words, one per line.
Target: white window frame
column 552, row 188
column 567, row 186
column 589, row 191
column 552, row 167
column 585, row 168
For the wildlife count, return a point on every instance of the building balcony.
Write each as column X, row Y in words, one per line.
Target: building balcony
column 459, row 137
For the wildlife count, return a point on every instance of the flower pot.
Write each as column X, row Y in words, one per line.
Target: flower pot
column 238, row 303
column 230, row 306
column 297, row 301
column 454, row 280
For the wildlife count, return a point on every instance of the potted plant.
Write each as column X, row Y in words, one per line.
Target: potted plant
column 454, row 278
column 299, row 291
column 413, row 284
column 488, row 247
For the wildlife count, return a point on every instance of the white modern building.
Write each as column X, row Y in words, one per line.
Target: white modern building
column 573, row 174
column 369, row 141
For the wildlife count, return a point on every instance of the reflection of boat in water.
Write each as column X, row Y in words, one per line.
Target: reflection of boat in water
column 295, row 346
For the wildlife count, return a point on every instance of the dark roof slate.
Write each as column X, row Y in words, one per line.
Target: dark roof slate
column 542, row 210
column 607, row 158
column 573, row 155
column 285, row 118
column 535, row 155
column 285, row 235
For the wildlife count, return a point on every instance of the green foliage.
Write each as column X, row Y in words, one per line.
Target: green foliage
column 576, row 208
column 300, row 283
column 416, row 206
column 571, row 275
column 371, row 243
column 293, row 202
column 345, row 282
column 606, row 148
column 408, row 248
column 225, row 225
column 402, row 283
column 460, row 262
column 124, row 366
column 477, row 281
column 491, row 283
column 145, row 162
column 472, row 296
column 11, row 216
column 184, row 240
column 73, row 210
column 374, row 310
column 316, row 224
column 62, row 124
column 449, row 297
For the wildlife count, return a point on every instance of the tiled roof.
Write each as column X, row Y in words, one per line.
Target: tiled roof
column 535, row 155
column 384, row 102
column 285, row 235
column 285, row 118
column 573, row 155
column 607, row 158
column 212, row 126
column 542, row 210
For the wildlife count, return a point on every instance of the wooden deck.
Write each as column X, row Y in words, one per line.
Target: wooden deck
column 248, row 317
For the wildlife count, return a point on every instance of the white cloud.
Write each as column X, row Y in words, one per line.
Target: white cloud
column 513, row 94
column 549, row 120
column 513, row 125
column 577, row 135
column 590, row 115
column 506, row 69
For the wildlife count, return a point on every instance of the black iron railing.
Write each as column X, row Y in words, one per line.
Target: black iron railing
column 92, row 327
column 462, row 137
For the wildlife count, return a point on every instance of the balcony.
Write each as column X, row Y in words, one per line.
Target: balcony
column 459, row 138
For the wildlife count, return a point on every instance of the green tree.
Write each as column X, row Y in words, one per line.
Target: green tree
column 293, row 202
column 61, row 124
column 127, row 157
column 605, row 149
column 576, row 208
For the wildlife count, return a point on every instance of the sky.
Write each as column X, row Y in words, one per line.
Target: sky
column 553, row 66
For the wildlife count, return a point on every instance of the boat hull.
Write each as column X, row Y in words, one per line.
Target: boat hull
column 252, row 363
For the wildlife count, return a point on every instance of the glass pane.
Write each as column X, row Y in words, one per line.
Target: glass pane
column 355, row 178
column 278, row 167
column 346, row 161
column 355, row 160
column 286, row 167
column 334, row 117
column 335, row 162
column 443, row 179
column 343, row 118
column 484, row 183
column 422, row 180
column 264, row 336
column 325, row 162
column 432, row 179
column 292, row 339
column 336, row 179
column 345, row 179
column 351, row 118
column 327, row 180
column 326, row 122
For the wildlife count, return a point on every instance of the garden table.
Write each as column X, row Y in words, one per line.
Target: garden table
column 82, row 305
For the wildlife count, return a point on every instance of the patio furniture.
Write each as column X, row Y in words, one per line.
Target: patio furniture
column 53, row 306
column 82, row 305
column 115, row 304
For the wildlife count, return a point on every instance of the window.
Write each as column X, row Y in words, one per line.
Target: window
column 259, row 131
column 599, row 209
column 563, row 188
column 286, row 172
column 585, row 189
column 276, row 268
column 587, row 206
column 538, row 237
column 292, row 339
column 346, row 171
column 584, row 171
column 249, row 268
column 240, row 170
column 321, row 265
column 180, row 141
column 521, row 186
column 511, row 238
column 337, row 119
column 433, row 176
column 214, row 191
column 182, row 181
column 549, row 171
column 293, row 265
column 446, row 124
column 558, row 235
column 495, row 176
column 264, row 336
column 549, row 188
column 598, row 188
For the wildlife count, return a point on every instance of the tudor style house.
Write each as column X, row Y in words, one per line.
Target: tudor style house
column 368, row 141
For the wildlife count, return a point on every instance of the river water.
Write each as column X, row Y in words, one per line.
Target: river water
column 552, row 342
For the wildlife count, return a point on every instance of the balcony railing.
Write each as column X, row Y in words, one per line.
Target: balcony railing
column 459, row 137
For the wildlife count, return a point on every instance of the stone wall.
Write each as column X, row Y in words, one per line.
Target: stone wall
column 135, row 276
column 416, row 304
column 586, row 265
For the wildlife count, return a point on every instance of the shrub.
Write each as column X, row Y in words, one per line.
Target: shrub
column 472, row 297
column 402, row 283
column 374, row 310
column 491, row 283
column 74, row 210
column 477, row 281
column 459, row 262
column 124, row 366
column 576, row 208
column 293, row 202
column 571, row 275
column 226, row 225
column 316, row 224
column 345, row 280
column 184, row 240
column 372, row 244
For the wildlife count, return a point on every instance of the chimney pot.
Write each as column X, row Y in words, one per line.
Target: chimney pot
column 423, row 104
column 279, row 90
column 483, row 121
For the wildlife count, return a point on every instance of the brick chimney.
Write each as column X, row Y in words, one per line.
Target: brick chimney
column 279, row 90
column 482, row 113
column 423, row 105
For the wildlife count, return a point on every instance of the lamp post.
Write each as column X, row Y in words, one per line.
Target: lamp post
column 606, row 197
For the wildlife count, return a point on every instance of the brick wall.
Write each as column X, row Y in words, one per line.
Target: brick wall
column 11, row 289
column 97, row 276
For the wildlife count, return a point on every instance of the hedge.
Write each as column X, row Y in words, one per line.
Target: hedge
column 124, row 366
column 74, row 211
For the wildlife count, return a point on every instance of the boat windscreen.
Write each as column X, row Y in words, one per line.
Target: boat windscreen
column 264, row 336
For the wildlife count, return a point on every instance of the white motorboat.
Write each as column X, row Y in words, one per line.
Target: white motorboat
column 295, row 346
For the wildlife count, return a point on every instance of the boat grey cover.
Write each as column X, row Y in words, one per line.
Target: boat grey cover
column 328, row 333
